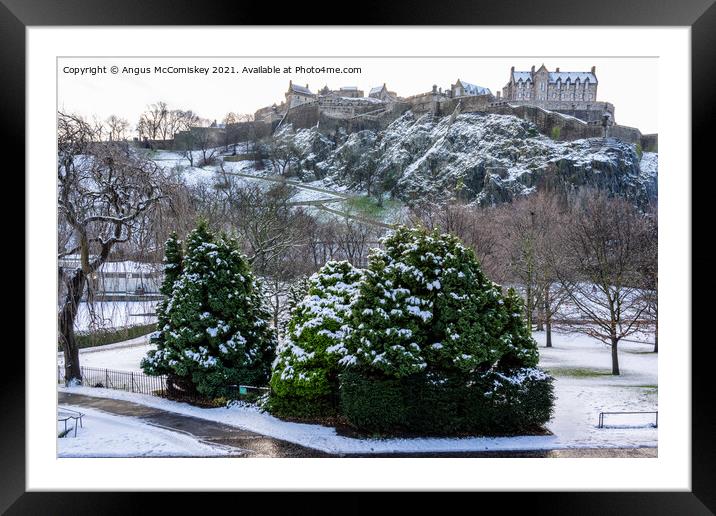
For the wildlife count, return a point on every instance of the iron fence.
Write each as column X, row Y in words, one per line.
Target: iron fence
column 134, row 381
column 130, row 381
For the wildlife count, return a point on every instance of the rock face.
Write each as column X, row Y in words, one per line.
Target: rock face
column 481, row 158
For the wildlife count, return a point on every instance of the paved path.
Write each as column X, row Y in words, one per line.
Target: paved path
column 252, row 444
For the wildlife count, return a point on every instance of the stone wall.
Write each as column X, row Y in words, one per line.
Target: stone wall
column 650, row 142
column 303, row 116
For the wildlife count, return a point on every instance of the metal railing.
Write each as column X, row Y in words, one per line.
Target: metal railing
column 130, row 381
column 602, row 414
column 134, row 381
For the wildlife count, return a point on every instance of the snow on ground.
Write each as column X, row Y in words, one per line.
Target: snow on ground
column 108, row 435
column 582, row 387
column 120, row 358
column 114, row 314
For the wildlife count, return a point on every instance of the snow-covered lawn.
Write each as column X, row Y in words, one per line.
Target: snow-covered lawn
column 118, row 356
column 583, row 388
column 107, row 435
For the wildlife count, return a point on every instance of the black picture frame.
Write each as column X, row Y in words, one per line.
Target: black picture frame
column 700, row 15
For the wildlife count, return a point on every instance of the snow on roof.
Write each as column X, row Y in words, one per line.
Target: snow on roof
column 300, row 89
column 555, row 76
column 351, row 88
column 474, row 89
column 73, row 260
column 376, row 89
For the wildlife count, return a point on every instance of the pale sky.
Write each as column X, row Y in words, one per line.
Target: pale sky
column 628, row 83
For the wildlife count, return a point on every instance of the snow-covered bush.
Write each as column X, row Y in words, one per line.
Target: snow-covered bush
column 431, row 339
column 305, row 373
column 425, row 306
column 214, row 331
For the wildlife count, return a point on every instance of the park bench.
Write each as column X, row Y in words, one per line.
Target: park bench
column 602, row 414
column 64, row 415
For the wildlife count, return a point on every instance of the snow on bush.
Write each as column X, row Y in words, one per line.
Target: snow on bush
column 306, row 366
column 425, row 306
column 213, row 328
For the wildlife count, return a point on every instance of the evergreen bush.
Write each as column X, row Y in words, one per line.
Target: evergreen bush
column 214, row 329
column 305, row 373
column 430, row 336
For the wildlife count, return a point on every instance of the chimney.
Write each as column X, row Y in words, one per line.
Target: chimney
column 306, row 85
column 594, row 70
column 498, row 95
column 557, row 69
column 533, row 69
column 512, row 70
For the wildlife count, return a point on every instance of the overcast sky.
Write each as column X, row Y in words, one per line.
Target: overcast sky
column 629, row 83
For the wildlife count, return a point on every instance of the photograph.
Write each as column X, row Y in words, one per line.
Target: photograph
column 421, row 253
column 357, row 257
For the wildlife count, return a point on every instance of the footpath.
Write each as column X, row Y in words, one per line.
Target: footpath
column 252, row 444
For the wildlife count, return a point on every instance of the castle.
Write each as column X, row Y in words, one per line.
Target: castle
column 571, row 93
column 539, row 96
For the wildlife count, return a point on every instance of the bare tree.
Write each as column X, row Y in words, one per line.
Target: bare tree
column 604, row 246
column 650, row 272
column 117, row 128
column 103, row 192
column 283, row 154
column 152, row 123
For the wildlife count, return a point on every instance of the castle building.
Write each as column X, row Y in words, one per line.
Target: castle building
column 543, row 85
column 466, row 89
column 297, row 95
column 382, row 93
column 571, row 93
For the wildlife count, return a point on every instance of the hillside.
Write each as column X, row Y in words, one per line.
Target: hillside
column 482, row 158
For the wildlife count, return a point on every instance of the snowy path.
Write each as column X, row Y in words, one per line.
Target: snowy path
column 108, row 435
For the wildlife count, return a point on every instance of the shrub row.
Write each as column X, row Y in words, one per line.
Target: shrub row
column 110, row 336
column 483, row 404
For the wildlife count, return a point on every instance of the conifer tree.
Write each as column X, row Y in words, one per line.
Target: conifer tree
column 216, row 332
column 305, row 372
column 172, row 263
column 425, row 306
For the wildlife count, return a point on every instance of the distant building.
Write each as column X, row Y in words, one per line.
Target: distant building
column 543, row 85
column 570, row 93
column 382, row 93
column 121, row 278
column 466, row 89
column 297, row 95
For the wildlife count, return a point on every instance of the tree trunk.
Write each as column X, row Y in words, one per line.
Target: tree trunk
column 547, row 319
column 615, row 357
column 66, row 323
column 656, row 336
column 528, row 307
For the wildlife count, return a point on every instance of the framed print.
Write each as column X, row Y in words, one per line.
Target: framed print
column 360, row 258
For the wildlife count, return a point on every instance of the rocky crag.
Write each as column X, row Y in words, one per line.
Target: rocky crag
column 480, row 158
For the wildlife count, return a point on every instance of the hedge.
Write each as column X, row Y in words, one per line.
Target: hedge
column 484, row 404
column 111, row 335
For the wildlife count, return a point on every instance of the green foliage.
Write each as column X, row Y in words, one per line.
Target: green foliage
column 425, row 306
column 556, row 132
column 213, row 328
column 435, row 347
column 488, row 403
column 304, row 380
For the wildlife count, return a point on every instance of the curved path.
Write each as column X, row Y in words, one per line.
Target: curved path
column 252, row 444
